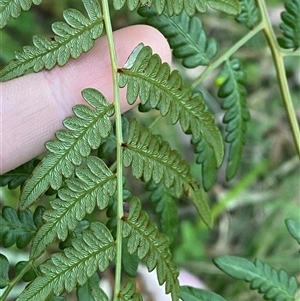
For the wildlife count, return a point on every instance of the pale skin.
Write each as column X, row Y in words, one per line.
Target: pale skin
column 34, row 106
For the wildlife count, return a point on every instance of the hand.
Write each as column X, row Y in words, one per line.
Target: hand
column 34, row 106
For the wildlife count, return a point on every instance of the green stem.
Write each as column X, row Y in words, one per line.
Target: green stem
column 278, row 55
column 119, row 138
column 228, row 53
column 16, row 280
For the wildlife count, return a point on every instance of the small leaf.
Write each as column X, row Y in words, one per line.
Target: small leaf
column 13, row 8
column 237, row 114
column 249, row 15
column 19, row 175
column 73, row 37
column 91, row 290
column 94, row 250
column 275, row 285
column 84, row 133
column 29, row 275
column 4, row 268
column 188, row 293
column 185, row 36
column 94, row 184
column 18, row 227
column 128, row 292
column 151, row 246
column 290, row 25
column 293, row 227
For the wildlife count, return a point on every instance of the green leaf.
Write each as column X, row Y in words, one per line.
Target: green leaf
column 185, row 36
column 249, row 15
column 19, row 175
column 151, row 246
column 275, row 285
column 95, row 250
column 72, row 38
column 84, row 132
column 91, row 291
column 19, row 227
column 128, row 292
column 152, row 81
column 4, row 268
column 29, row 275
column 165, row 208
column 237, row 114
column 94, row 184
column 13, row 8
column 177, row 6
column 151, row 158
column 293, row 227
column 188, row 293
column 291, row 25
column 130, row 262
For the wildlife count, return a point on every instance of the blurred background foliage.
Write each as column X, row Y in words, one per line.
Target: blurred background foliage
column 250, row 210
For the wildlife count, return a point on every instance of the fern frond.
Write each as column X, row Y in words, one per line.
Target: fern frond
column 151, row 247
column 176, row 7
column 128, row 293
column 94, row 184
column 275, row 285
column 150, row 79
column 19, row 175
column 13, row 8
column 4, row 264
column 237, row 114
column 185, row 35
column 293, row 227
column 85, row 132
column 93, row 251
column 72, row 38
column 19, row 227
column 249, row 14
column 290, row 25
column 151, row 158
column 91, row 291
column 165, row 208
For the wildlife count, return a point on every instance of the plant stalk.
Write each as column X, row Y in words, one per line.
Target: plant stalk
column 278, row 60
column 119, row 138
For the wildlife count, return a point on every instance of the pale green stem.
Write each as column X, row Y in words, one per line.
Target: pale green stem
column 228, row 53
column 277, row 55
column 16, row 280
column 119, row 138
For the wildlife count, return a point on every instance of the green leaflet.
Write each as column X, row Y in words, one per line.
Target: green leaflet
column 185, row 36
column 151, row 246
column 237, row 115
column 72, row 38
column 151, row 158
column 293, row 227
column 4, row 264
column 290, row 25
column 249, row 14
column 177, row 6
column 152, row 81
column 188, row 293
column 13, row 8
column 94, row 184
column 91, row 290
column 275, row 285
column 128, row 293
column 19, row 175
column 85, row 132
column 19, row 227
column 166, row 208
column 93, row 251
